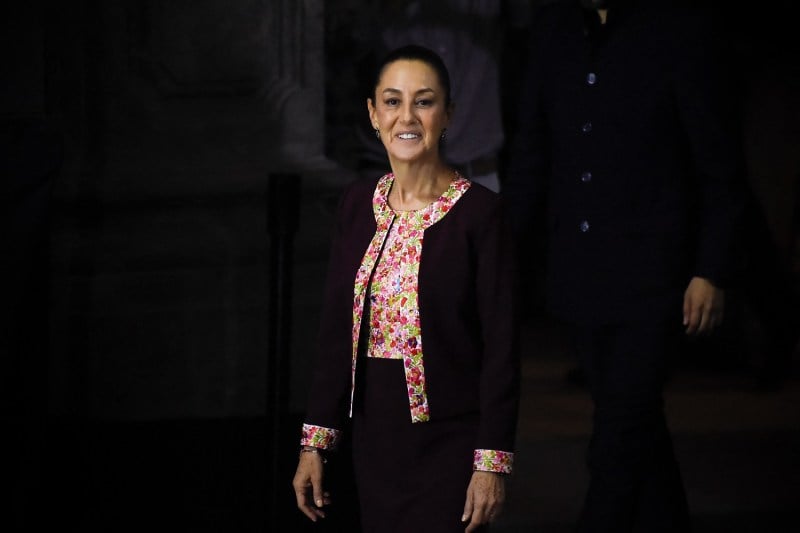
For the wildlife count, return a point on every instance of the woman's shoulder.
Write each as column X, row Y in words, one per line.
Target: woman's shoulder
column 481, row 195
column 477, row 205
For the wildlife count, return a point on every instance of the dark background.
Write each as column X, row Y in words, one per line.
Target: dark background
column 170, row 171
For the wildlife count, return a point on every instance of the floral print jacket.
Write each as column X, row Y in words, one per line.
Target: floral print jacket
column 467, row 316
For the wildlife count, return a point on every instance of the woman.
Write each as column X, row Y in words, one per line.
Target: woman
column 418, row 342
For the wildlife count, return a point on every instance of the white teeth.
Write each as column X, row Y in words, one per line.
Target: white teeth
column 408, row 136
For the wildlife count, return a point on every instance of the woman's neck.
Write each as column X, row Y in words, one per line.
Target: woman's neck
column 416, row 186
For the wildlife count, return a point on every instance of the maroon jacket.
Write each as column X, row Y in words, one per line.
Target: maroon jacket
column 468, row 314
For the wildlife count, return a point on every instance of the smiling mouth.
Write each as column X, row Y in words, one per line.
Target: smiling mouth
column 408, row 136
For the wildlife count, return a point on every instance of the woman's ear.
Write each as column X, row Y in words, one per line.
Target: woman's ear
column 371, row 110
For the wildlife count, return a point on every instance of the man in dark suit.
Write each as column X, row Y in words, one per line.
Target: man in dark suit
column 626, row 160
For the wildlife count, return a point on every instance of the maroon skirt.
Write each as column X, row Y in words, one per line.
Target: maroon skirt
column 409, row 476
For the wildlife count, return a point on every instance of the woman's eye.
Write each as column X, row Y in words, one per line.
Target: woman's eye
column 423, row 103
column 392, row 101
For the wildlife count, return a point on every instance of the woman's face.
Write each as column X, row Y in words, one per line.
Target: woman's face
column 409, row 110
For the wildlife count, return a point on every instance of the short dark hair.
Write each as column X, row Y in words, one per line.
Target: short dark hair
column 415, row 52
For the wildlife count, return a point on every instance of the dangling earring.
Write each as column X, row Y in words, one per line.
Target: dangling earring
column 444, row 134
column 377, row 133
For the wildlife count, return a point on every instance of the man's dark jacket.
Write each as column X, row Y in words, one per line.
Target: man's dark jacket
column 626, row 151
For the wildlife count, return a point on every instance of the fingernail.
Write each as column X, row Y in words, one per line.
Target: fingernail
column 463, row 518
column 319, row 503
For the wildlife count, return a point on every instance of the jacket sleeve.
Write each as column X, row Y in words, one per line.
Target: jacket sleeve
column 705, row 94
column 330, row 386
column 497, row 291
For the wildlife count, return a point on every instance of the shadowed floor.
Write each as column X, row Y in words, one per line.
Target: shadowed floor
column 739, row 448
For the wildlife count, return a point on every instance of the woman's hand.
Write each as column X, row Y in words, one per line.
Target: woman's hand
column 307, row 485
column 486, row 495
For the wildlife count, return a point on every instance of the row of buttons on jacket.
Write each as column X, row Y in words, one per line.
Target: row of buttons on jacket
column 586, row 176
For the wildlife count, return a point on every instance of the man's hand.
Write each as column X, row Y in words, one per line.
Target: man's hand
column 703, row 305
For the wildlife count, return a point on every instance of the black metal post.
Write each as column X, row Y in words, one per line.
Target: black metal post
column 283, row 214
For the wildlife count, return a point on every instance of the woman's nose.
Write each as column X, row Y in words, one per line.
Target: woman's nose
column 407, row 113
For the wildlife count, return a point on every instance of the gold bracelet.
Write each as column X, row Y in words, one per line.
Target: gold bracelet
column 311, row 449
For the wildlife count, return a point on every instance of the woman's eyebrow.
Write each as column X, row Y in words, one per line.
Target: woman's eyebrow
column 398, row 91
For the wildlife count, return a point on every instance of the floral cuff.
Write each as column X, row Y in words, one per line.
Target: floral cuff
column 320, row 437
column 493, row 461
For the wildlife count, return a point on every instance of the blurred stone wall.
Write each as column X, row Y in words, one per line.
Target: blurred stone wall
column 175, row 114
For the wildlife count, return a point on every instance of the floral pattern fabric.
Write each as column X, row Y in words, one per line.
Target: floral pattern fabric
column 320, row 437
column 493, row 461
column 388, row 274
column 394, row 315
